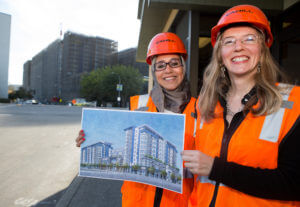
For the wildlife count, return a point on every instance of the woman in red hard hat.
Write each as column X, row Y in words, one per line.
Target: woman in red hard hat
column 247, row 134
column 170, row 94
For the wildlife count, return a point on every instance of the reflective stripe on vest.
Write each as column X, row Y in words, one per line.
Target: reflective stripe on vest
column 205, row 179
column 272, row 124
column 201, row 124
column 195, row 127
column 143, row 99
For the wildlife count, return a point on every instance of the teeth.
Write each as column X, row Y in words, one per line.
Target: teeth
column 169, row 78
column 238, row 59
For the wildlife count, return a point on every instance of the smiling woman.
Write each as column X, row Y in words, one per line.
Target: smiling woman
column 247, row 136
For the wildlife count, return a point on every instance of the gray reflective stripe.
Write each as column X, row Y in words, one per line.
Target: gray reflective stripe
column 143, row 99
column 201, row 124
column 187, row 173
column 204, row 179
column 287, row 104
column 271, row 127
column 195, row 126
column 272, row 124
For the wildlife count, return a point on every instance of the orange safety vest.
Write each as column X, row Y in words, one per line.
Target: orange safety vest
column 137, row 194
column 254, row 143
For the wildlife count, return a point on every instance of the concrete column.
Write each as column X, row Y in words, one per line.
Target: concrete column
column 193, row 50
column 276, row 28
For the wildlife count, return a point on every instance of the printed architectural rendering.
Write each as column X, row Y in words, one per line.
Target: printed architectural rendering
column 146, row 157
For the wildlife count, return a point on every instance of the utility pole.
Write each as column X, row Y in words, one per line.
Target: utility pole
column 119, row 89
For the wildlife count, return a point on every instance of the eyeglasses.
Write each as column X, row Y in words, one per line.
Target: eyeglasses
column 249, row 39
column 174, row 63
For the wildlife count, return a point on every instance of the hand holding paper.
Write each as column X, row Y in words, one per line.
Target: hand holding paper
column 197, row 162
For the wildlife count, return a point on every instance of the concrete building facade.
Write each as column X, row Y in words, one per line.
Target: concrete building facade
column 128, row 57
column 5, row 23
column 27, row 75
column 82, row 54
column 36, row 72
column 56, row 70
column 41, row 75
column 51, row 85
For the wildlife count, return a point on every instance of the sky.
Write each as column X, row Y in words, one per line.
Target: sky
column 108, row 125
column 37, row 23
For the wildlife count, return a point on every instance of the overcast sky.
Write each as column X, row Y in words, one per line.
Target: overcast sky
column 37, row 23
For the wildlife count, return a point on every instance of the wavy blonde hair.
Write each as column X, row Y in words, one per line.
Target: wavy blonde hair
column 216, row 85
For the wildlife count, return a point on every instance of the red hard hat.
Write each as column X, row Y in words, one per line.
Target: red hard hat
column 165, row 43
column 243, row 14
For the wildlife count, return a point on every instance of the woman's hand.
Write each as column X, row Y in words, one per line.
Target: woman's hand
column 80, row 138
column 197, row 162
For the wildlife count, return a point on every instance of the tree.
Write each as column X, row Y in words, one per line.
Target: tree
column 126, row 167
column 173, row 178
column 90, row 86
column 163, row 174
column 135, row 168
column 151, row 170
column 20, row 93
column 110, row 166
column 179, row 178
column 118, row 166
column 101, row 84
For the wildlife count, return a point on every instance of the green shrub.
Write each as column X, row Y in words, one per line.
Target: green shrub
column 4, row 100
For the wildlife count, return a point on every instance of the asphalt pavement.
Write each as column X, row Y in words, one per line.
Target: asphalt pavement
column 92, row 192
column 39, row 162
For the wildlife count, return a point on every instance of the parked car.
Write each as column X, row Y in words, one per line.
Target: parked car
column 31, row 101
column 81, row 102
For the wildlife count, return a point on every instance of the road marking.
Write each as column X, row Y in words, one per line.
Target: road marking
column 27, row 202
column 5, row 115
column 6, row 105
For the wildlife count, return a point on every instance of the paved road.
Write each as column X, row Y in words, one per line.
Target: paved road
column 38, row 157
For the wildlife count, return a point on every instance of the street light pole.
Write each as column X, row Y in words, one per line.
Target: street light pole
column 119, row 89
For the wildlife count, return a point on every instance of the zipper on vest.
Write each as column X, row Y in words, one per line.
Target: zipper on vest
column 228, row 132
column 158, row 195
column 213, row 200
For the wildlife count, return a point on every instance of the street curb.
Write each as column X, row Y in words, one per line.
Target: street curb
column 67, row 197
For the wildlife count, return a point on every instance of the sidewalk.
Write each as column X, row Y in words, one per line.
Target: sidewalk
column 92, row 192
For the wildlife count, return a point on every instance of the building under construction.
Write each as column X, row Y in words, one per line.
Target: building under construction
column 56, row 70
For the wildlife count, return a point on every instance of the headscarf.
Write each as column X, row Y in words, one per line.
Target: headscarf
column 175, row 100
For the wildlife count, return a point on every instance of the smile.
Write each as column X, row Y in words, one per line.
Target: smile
column 169, row 78
column 240, row 59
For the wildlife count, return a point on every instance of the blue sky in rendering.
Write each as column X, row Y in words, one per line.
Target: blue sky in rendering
column 108, row 125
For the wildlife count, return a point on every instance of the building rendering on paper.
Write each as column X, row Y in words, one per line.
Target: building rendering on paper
column 146, row 147
column 99, row 152
column 143, row 147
